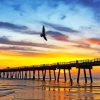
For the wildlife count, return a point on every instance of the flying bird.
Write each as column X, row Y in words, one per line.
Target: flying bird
column 43, row 33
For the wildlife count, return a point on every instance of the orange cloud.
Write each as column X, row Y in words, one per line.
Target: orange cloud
column 61, row 37
column 90, row 41
column 93, row 40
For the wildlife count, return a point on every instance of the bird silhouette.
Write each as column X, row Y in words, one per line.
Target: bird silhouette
column 43, row 33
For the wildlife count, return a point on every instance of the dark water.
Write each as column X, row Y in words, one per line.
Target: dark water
column 39, row 90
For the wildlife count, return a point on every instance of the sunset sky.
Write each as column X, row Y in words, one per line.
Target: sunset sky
column 72, row 28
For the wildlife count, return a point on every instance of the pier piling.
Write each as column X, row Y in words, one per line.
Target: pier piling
column 49, row 75
column 58, row 75
column 70, row 76
column 64, row 75
column 85, row 75
column 33, row 74
column 38, row 74
column 44, row 74
column 78, row 75
column 54, row 75
column 90, row 75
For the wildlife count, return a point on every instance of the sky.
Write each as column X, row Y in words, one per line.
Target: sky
column 72, row 29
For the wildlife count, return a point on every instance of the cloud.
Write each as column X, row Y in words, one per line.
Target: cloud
column 90, row 3
column 20, row 51
column 54, row 34
column 5, row 40
column 63, row 17
column 17, row 28
column 17, row 7
column 94, row 41
column 83, row 45
column 14, row 48
column 22, row 29
column 59, row 27
column 12, row 26
column 25, row 30
column 91, row 41
column 61, row 38
column 57, row 35
column 35, row 54
column 94, row 5
column 36, row 5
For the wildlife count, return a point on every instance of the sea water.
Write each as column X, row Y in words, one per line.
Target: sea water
column 14, row 89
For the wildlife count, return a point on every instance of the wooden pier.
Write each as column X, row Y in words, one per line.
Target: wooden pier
column 29, row 72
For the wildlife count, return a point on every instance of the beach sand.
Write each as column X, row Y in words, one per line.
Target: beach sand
column 39, row 90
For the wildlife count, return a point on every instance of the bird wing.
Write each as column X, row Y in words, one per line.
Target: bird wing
column 45, row 38
column 41, row 35
column 43, row 30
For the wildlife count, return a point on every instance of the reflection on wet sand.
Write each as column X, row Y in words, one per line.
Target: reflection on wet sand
column 69, row 93
column 39, row 90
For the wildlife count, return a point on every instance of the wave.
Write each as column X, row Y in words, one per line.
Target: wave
column 13, row 85
column 3, row 89
column 55, row 86
column 26, row 99
column 71, row 86
column 6, row 93
column 50, row 86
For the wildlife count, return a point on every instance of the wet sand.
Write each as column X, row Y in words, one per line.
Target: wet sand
column 39, row 90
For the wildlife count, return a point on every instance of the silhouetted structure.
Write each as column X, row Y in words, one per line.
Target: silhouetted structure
column 26, row 72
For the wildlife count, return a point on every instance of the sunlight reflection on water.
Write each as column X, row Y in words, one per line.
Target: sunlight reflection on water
column 39, row 90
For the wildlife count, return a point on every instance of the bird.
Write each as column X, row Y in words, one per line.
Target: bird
column 43, row 33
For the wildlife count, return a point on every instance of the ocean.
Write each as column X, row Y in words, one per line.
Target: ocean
column 13, row 89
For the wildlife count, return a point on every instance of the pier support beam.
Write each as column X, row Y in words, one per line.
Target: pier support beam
column 22, row 75
column 85, row 75
column 33, row 74
column 70, row 76
column 38, row 74
column 25, row 74
column 11, row 75
column 54, row 75
column 90, row 75
column 3, row 74
column 64, row 75
column 7, row 74
column 0, row 74
column 19, row 74
column 78, row 75
column 44, row 74
column 29, row 74
column 58, row 75
column 50, row 75
column 16, row 75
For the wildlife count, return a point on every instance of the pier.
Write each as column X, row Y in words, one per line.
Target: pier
column 29, row 72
